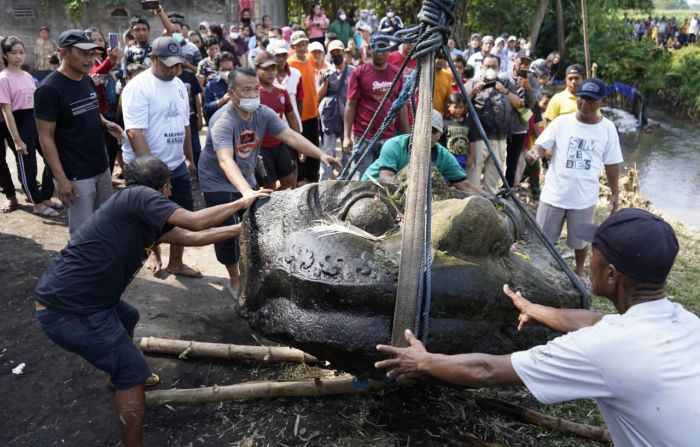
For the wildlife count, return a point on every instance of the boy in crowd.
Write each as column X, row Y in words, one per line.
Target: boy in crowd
column 456, row 133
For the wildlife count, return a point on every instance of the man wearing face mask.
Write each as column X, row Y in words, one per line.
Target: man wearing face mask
column 494, row 100
column 228, row 163
column 157, row 122
column 341, row 27
column 262, row 42
column 391, row 23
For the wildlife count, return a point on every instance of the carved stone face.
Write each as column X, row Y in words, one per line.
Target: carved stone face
column 330, row 290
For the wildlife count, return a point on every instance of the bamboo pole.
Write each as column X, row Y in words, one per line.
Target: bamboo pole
column 414, row 215
column 586, row 49
column 535, row 417
column 183, row 349
column 259, row 390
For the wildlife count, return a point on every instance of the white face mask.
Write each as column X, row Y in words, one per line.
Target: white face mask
column 235, row 35
column 490, row 74
column 342, row 17
column 223, row 75
column 249, row 105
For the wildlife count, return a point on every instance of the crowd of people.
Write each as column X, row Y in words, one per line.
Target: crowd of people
column 282, row 107
column 670, row 33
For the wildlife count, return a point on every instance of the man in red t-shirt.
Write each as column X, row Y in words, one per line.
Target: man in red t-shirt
column 397, row 57
column 276, row 158
column 367, row 86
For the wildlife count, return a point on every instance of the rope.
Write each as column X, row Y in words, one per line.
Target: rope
column 586, row 298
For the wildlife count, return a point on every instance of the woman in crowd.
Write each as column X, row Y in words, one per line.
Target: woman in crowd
column 101, row 74
column 17, row 101
column 317, row 23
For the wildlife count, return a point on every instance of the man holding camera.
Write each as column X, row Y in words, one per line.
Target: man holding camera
column 494, row 100
column 519, row 77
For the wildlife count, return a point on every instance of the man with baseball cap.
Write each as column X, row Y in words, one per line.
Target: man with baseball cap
column 67, row 113
column 579, row 146
column 288, row 78
column 156, row 112
column 564, row 102
column 395, row 156
column 276, row 158
column 642, row 366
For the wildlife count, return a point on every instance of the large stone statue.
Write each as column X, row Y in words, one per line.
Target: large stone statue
column 320, row 266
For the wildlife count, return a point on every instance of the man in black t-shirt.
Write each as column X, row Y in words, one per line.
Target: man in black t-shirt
column 70, row 126
column 78, row 298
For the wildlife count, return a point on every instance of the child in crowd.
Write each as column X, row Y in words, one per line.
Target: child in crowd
column 526, row 170
column 456, row 133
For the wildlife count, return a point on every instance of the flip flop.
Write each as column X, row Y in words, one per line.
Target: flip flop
column 10, row 207
column 230, row 292
column 48, row 212
column 194, row 274
column 56, row 205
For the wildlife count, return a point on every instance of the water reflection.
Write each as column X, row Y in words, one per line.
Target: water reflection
column 668, row 162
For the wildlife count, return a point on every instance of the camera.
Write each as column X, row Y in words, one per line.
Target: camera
column 523, row 74
column 489, row 84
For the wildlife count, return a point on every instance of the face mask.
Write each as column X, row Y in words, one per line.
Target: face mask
column 177, row 37
column 337, row 60
column 390, row 14
column 223, row 75
column 249, row 105
column 490, row 74
column 342, row 17
column 235, row 35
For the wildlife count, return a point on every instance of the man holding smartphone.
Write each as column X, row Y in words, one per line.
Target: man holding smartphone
column 520, row 78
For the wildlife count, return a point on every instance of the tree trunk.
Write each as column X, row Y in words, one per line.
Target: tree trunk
column 537, row 24
column 560, row 29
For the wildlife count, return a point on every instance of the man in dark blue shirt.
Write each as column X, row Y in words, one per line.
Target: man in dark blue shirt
column 78, row 298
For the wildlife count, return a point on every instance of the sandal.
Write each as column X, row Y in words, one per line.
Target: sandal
column 230, row 292
column 10, row 207
column 48, row 212
column 56, row 205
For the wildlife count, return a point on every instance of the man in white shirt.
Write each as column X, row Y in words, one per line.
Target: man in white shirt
column 579, row 145
column 156, row 119
column 693, row 29
column 288, row 78
column 642, row 366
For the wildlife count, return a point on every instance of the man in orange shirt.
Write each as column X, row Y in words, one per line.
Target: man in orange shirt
column 308, row 168
column 443, row 84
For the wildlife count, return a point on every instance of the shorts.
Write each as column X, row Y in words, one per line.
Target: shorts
column 551, row 220
column 228, row 251
column 278, row 163
column 103, row 339
column 182, row 187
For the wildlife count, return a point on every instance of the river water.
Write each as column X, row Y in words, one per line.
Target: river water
column 668, row 163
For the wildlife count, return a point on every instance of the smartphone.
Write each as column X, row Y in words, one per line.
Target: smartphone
column 150, row 4
column 113, row 41
column 523, row 74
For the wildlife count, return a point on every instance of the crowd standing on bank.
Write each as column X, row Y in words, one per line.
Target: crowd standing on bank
column 282, row 107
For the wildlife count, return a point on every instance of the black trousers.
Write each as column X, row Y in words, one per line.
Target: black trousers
column 26, row 164
column 8, row 187
column 514, row 148
column 309, row 169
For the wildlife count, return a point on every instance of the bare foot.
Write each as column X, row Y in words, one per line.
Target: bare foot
column 153, row 263
column 184, row 270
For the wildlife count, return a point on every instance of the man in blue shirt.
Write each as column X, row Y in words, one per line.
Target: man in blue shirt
column 395, row 156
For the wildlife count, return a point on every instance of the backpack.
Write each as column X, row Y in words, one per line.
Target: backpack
column 496, row 113
column 332, row 110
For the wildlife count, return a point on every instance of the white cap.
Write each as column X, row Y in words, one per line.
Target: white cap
column 277, row 46
column 512, row 38
column 436, row 121
column 316, row 46
column 336, row 45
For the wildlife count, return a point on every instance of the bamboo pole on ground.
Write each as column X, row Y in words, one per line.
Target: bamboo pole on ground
column 535, row 417
column 258, row 390
column 183, row 349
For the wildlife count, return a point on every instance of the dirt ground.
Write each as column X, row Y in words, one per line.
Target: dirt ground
column 59, row 399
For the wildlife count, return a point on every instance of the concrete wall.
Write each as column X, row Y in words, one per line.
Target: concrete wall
column 23, row 18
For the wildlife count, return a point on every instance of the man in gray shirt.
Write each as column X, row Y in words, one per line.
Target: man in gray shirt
column 227, row 163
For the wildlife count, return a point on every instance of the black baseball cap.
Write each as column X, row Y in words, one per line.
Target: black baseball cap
column 76, row 38
column 167, row 51
column 641, row 245
column 592, row 88
column 577, row 69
